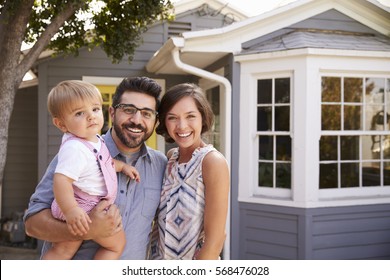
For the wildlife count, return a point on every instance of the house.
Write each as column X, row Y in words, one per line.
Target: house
column 33, row 140
column 301, row 96
column 304, row 113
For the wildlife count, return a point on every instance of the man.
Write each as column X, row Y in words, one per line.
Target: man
column 134, row 116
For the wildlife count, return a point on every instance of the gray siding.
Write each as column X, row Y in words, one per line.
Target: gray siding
column 20, row 174
column 334, row 20
column 337, row 233
column 267, row 233
column 352, row 233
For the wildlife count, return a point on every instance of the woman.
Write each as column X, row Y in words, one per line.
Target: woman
column 194, row 199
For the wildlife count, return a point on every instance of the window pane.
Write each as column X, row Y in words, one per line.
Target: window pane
column 330, row 118
column 266, row 174
column 353, row 89
column 349, row 147
column 264, row 91
column 380, row 144
column 370, row 147
column 331, row 89
column 375, row 88
column 282, row 90
column 282, row 118
column 273, row 114
column 350, row 175
column 375, row 118
column 264, row 118
column 283, row 148
column 386, row 174
column 283, row 175
column 352, row 117
column 358, row 160
column 386, row 146
column 387, row 98
column 266, row 147
column 328, row 176
column 371, row 174
column 328, row 148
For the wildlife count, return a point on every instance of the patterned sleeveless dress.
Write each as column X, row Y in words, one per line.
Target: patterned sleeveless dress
column 181, row 210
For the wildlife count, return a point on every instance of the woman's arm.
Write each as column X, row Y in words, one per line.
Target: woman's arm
column 217, row 181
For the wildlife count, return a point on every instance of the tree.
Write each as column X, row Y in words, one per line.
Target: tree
column 65, row 26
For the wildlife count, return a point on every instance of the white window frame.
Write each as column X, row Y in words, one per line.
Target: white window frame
column 267, row 191
column 307, row 66
column 360, row 192
column 250, row 156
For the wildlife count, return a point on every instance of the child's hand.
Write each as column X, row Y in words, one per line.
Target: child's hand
column 77, row 220
column 131, row 172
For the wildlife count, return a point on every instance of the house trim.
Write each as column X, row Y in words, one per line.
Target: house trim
column 312, row 51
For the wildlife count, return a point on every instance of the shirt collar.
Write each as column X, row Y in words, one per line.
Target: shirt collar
column 114, row 151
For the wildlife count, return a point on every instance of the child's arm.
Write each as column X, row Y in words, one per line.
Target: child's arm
column 76, row 218
column 127, row 169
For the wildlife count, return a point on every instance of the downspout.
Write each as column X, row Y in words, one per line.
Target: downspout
column 227, row 90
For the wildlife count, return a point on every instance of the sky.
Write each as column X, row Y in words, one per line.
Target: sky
column 256, row 7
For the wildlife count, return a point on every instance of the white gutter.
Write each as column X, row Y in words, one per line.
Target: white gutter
column 227, row 90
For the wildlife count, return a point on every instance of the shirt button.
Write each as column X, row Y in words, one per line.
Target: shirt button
column 122, row 191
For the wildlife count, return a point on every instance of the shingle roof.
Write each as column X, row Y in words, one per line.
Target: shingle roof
column 324, row 39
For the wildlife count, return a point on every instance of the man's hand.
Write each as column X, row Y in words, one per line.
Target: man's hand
column 106, row 221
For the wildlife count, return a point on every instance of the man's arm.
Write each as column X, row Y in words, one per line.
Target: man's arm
column 43, row 226
column 105, row 223
column 39, row 222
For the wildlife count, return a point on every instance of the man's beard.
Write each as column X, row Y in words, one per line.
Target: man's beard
column 129, row 141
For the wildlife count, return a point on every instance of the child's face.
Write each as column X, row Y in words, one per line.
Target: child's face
column 84, row 120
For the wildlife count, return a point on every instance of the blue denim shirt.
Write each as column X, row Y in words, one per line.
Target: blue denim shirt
column 137, row 202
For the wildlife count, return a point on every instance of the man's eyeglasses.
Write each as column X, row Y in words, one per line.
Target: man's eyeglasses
column 131, row 110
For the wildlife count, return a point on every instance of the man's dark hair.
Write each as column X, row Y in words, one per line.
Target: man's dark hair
column 140, row 85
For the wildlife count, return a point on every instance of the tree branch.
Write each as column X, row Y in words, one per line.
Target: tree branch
column 43, row 41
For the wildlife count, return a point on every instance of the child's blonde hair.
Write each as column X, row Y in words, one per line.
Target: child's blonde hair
column 63, row 97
